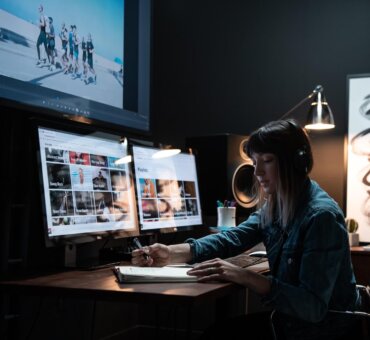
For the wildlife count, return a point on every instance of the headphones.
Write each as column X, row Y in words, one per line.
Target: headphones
column 300, row 158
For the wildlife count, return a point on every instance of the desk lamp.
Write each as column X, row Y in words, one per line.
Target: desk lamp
column 320, row 116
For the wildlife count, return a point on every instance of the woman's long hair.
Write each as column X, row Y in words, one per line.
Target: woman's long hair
column 290, row 144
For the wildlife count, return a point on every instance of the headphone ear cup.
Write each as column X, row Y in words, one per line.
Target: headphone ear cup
column 300, row 160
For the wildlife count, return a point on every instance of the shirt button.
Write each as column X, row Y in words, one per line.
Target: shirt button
column 290, row 260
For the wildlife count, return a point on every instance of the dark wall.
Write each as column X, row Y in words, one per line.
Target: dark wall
column 233, row 65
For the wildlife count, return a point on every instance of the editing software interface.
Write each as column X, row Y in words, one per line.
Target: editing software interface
column 85, row 188
column 167, row 190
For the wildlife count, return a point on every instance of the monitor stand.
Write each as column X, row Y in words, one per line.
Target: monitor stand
column 107, row 257
column 70, row 256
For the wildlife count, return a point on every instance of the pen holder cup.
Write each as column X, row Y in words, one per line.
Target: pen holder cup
column 226, row 216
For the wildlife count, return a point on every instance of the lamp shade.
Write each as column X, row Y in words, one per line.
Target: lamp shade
column 320, row 116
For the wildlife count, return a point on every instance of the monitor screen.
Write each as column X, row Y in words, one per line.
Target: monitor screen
column 86, row 189
column 82, row 61
column 167, row 190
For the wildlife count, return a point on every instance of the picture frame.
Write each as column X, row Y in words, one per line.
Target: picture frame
column 358, row 153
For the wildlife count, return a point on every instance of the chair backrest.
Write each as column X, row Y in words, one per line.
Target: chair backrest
column 365, row 310
column 365, row 298
column 363, row 316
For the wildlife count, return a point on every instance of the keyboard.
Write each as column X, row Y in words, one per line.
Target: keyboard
column 244, row 260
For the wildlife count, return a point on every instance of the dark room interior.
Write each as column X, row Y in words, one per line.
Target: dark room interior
column 218, row 71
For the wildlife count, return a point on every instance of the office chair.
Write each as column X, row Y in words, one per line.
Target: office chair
column 362, row 329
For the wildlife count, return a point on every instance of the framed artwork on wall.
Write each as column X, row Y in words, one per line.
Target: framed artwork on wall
column 358, row 153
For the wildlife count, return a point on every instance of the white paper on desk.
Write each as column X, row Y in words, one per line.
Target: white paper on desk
column 153, row 274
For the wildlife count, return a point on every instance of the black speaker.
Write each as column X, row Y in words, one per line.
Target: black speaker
column 225, row 172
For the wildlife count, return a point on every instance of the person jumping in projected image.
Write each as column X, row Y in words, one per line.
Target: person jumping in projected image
column 41, row 40
column 90, row 62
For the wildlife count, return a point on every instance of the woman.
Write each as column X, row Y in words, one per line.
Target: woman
column 90, row 62
column 306, row 242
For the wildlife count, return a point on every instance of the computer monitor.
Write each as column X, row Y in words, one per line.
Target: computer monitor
column 83, row 61
column 87, row 188
column 167, row 190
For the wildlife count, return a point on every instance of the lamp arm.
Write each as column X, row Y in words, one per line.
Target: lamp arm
column 318, row 88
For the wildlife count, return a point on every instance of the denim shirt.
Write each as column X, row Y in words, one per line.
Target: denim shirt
column 310, row 260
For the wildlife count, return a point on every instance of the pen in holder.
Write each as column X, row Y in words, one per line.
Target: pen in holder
column 226, row 216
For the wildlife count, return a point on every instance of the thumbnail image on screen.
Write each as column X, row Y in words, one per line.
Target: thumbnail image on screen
column 84, row 190
column 167, row 190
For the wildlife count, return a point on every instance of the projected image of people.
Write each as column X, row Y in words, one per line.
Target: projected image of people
column 37, row 48
column 59, row 176
column 52, row 52
column 89, row 66
column 41, row 40
column 63, row 35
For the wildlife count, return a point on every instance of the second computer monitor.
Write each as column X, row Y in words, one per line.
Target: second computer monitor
column 167, row 190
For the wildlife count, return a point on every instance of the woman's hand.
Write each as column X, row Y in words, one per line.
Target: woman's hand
column 158, row 256
column 218, row 270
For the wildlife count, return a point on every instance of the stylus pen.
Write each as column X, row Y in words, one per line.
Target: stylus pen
column 139, row 246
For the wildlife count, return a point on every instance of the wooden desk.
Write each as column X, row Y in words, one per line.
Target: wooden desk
column 361, row 264
column 102, row 285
